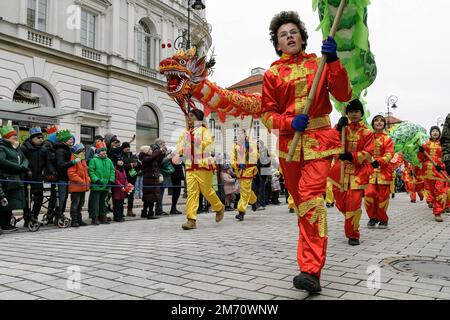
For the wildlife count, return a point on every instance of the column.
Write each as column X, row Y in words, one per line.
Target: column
column 53, row 21
column 23, row 11
column 115, row 31
column 131, row 23
column 102, row 34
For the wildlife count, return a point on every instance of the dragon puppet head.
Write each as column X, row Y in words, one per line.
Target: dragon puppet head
column 184, row 71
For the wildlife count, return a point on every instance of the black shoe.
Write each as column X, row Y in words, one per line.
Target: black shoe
column 308, row 282
column 74, row 224
column 175, row 212
column 328, row 205
column 383, row 225
column 372, row 223
column 353, row 242
column 413, row 201
column 152, row 217
column 254, row 207
column 144, row 214
column 94, row 222
column 240, row 216
column 393, row 195
column 82, row 223
column 9, row 228
column 291, row 210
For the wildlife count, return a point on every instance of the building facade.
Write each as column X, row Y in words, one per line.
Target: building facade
column 95, row 61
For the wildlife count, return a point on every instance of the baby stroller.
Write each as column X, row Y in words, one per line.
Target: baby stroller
column 51, row 215
column 33, row 224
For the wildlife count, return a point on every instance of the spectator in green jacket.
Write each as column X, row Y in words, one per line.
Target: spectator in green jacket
column 101, row 171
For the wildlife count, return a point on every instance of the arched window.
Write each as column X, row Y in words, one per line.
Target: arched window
column 34, row 93
column 147, row 126
column 147, row 44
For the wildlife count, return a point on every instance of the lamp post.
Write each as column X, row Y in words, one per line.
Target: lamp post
column 391, row 103
column 440, row 122
column 185, row 38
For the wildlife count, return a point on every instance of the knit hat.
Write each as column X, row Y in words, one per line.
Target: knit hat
column 125, row 145
column 198, row 114
column 63, row 135
column 99, row 137
column 99, row 147
column 52, row 137
column 35, row 132
column 7, row 132
column 354, row 105
column 78, row 148
column 436, row 128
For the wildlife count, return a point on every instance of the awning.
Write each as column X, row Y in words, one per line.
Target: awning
column 33, row 113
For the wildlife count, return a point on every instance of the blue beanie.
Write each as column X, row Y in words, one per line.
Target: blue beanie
column 77, row 148
column 35, row 131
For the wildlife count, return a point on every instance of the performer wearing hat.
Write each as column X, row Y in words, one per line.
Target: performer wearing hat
column 284, row 96
column 434, row 180
column 244, row 160
column 376, row 198
column 194, row 145
column 357, row 159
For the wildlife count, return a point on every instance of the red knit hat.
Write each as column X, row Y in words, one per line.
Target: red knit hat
column 100, row 146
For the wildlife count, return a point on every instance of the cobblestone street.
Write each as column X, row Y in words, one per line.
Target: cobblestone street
column 253, row 259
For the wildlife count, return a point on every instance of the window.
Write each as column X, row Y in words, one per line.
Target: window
column 87, row 29
column 235, row 131
column 255, row 129
column 37, row 14
column 87, row 136
column 143, row 44
column 147, row 126
column 33, row 93
column 87, row 99
column 218, row 134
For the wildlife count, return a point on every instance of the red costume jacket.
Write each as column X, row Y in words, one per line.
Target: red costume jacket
column 434, row 149
column 285, row 92
column 383, row 153
column 360, row 143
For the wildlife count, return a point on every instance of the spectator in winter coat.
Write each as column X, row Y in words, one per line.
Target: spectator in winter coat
column 102, row 174
column 51, row 174
column 39, row 162
column 63, row 163
column 91, row 151
column 177, row 177
column 151, row 160
column 229, row 186
column 79, row 183
column 14, row 167
column 118, row 192
column 132, row 167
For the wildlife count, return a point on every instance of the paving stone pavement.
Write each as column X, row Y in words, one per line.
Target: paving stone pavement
column 253, row 259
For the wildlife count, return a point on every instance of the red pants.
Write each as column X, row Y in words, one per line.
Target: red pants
column 414, row 188
column 349, row 203
column 438, row 194
column 306, row 182
column 376, row 201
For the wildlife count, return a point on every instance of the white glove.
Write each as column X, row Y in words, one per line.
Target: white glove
column 4, row 202
column 77, row 160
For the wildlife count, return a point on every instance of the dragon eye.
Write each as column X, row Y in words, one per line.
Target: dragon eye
column 183, row 62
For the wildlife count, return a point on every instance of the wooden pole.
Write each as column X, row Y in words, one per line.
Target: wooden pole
column 444, row 174
column 317, row 77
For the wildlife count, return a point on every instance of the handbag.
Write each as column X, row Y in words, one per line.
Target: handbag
column 167, row 169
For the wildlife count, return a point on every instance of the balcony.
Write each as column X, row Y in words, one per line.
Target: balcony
column 91, row 54
column 150, row 73
column 40, row 38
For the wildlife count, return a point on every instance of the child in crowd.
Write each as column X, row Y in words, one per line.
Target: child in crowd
column 118, row 192
column 79, row 183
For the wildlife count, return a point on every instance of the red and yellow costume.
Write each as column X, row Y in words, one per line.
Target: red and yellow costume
column 248, row 157
column 360, row 143
column 285, row 92
column 195, row 144
column 376, row 198
column 434, row 181
column 413, row 182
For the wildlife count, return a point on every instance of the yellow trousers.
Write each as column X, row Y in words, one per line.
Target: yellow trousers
column 329, row 198
column 196, row 182
column 247, row 195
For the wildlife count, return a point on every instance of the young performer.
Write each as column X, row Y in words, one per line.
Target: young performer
column 244, row 160
column 434, row 180
column 359, row 146
column 376, row 198
column 285, row 90
column 194, row 145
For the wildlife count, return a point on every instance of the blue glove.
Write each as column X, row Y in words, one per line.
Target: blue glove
column 329, row 47
column 242, row 166
column 300, row 122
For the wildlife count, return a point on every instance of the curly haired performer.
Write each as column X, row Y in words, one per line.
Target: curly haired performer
column 285, row 91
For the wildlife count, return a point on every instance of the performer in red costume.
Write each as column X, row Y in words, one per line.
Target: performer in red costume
column 434, row 180
column 376, row 199
column 357, row 159
column 285, row 91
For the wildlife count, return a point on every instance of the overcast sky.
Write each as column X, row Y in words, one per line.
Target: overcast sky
column 410, row 40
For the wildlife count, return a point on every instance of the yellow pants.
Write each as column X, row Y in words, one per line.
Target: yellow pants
column 291, row 204
column 196, row 182
column 393, row 185
column 247, row 194
column 329, row 198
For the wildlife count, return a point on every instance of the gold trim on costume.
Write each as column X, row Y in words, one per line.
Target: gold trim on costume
column 356, row 215
column 305, row 207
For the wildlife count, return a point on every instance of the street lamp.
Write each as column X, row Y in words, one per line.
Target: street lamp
column 391, row 103
column 440, row 122
column 185, row 38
